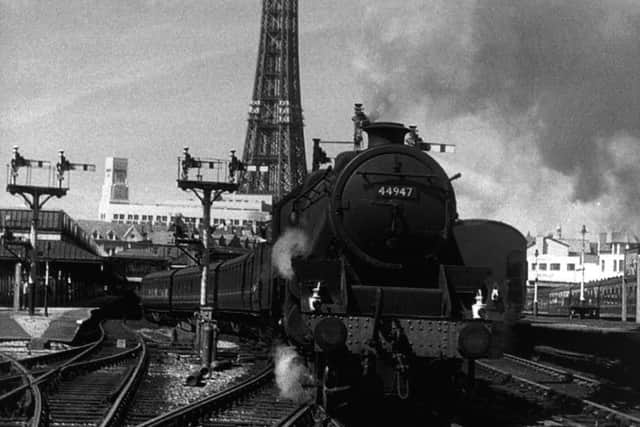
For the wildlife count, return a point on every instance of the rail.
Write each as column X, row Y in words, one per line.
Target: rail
column 196, row 410
column 49, row 374
column 124, row 393
column 595, row 409
column 37, row 404
column 299, row 418
column 591, row 382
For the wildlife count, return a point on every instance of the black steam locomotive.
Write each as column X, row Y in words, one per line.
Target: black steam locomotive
column 372, row 274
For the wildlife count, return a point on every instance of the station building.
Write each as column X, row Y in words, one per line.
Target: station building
column 233, row 210
column 74, row 262
column 567, row 262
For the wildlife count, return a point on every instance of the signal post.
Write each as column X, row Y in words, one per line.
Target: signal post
column 207, row 191
column 35, row 196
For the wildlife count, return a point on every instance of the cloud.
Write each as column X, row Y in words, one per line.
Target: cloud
column 561, row 76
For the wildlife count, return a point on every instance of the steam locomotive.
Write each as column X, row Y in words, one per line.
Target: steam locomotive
column 372, row 274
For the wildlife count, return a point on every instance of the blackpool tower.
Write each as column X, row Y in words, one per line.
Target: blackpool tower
column 274, row 147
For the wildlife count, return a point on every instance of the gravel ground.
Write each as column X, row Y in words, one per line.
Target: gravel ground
column 169, row 368
column 168, row 372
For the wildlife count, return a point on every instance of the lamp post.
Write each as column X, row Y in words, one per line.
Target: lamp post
column 628, row 247
column 535, row 287
column 637, row 288
column 46, row 281
column 623, row 303
column 583, row 232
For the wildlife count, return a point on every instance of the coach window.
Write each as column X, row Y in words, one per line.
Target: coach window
column 554, row 266
column 602, row 265
column 533, row 266
column 571, row 267
column 543, row 266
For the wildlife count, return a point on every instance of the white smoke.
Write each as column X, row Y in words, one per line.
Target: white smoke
column 550, row 85
column 293, row 242
column 291, row 374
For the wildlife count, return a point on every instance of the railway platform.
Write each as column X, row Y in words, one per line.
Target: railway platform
column 61, row 325
column 593, row 342
column 594, row 325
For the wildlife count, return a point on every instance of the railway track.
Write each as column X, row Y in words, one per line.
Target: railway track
column 76, row 391
column 163, row 389
column 25, row 401
column 103, row 384
column 150, row 399
column 29, row 403
column 97, row 391
column 567, row 397
column 253, row 402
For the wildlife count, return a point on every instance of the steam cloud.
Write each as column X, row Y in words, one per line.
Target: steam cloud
column 293, row 242
column 566, row 73
column 291, row 374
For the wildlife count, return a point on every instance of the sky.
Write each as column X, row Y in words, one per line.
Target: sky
column 541, row 98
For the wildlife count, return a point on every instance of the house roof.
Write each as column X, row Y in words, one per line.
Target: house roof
column 123, row 231
column 103, row 228
column 138, row 253
column 56, row 250
column 561, row 242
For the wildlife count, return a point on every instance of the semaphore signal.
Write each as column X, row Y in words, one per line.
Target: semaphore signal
column 35, row 196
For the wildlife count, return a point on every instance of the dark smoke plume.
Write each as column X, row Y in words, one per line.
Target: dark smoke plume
column 567, row 71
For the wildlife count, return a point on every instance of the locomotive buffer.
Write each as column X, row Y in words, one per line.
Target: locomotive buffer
column 223, row 175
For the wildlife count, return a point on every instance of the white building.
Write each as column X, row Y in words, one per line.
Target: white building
column 558, row 259
column 243, row 210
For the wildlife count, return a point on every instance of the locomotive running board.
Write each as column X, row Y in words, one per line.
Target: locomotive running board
column 396, row 301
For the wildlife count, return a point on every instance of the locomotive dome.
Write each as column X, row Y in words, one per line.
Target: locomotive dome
column 393, row 204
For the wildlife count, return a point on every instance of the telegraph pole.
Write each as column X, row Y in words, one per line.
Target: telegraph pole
column 623, row 296
column 583, row 232
column 35, row 196
column 637, row 288
column 636, row 247
column 224, row 173
column 535, row 288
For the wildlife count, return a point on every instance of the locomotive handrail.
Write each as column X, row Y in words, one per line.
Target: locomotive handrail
column 397, row 174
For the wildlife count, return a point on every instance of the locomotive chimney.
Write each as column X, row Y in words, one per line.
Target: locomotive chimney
column 382, row 133
column 360, row 120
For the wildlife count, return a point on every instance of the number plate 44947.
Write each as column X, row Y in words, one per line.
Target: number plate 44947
column 396, row 192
